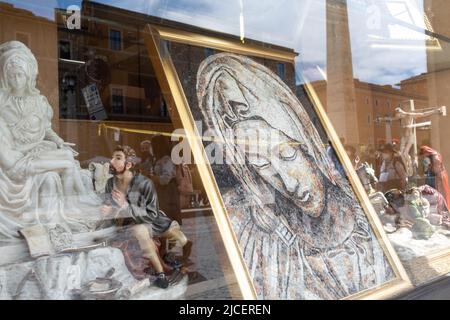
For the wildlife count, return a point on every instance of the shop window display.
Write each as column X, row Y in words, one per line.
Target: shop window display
column 72, row 92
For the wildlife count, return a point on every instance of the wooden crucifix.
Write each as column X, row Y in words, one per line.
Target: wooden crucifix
column 408, row 127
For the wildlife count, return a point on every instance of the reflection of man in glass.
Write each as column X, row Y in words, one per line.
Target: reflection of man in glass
column 301, row 231
column 148, row 158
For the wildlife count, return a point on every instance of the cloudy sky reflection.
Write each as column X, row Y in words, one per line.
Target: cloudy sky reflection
column 385, row 47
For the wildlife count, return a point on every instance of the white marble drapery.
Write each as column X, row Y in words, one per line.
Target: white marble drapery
column 37, row 167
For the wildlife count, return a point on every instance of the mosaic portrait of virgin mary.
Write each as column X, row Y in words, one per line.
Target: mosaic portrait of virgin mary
column 301, row 230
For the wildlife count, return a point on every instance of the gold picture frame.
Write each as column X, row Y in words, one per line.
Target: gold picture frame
column 182, row 118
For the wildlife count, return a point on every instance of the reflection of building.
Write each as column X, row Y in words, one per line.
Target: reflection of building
column 438, row 76
column 40, row 35
column 350, row 102
column 374, row 101
column 109, row 52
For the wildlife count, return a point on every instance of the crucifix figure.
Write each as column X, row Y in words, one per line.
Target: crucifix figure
column 408, row 127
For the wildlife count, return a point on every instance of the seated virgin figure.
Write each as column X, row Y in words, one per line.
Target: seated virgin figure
column 41, row 180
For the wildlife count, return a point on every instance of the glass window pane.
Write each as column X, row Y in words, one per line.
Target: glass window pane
column 78, row 80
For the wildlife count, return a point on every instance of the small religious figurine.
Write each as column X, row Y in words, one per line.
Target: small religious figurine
column 416, row 213
column 366, row 174
column 438, row 170
column 131, row 202
column 430, row 178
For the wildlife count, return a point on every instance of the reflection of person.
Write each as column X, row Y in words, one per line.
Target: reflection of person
column 164, row 178
column 430, row 178
column 301, row 231
column 438, row 170
column 132, row 201
column 334, row 158
column 393, row 172
column 148, row 158
column 353, row 155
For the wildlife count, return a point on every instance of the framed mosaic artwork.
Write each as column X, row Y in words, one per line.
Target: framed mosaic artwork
column 293, row 216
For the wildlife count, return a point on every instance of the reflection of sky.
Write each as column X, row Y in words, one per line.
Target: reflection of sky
column 298, row 24
column 385, row 52
column 42, row 8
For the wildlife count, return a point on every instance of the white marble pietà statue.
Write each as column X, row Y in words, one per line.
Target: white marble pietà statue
column 43, row 191
column 40, row 180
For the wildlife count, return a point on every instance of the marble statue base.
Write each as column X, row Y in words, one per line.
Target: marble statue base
column 66, row 277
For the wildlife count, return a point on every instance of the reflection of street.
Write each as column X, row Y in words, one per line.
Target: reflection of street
column 208, row 255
